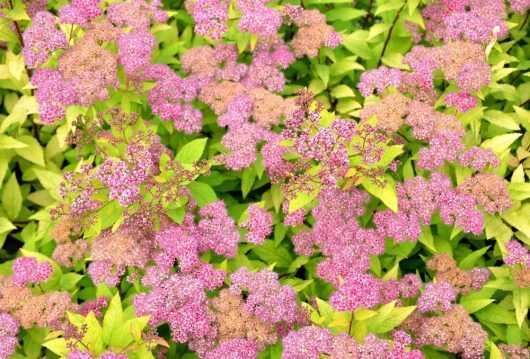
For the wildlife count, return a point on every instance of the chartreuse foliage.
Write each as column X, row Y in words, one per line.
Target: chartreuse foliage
column 253, row 179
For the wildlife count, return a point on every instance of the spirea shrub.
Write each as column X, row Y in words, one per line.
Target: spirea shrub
column 251, row 179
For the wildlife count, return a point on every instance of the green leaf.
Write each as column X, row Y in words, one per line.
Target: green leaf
column 7, row 143
column 521, row 303
column 49, row 180
column 386, row 194
column 494, row 313
column 12, row 198
column 68, row 281
column 500, row 143
column 395, row 318
column 248, row 177
column 469, row 261
column 271, row 254
column 93, row 337
column 112, row 321
column 33, row 152
column 344, row 14
column 58, row 346
column 192, row 151
column 6, row 225
column 135, row 327
column 475, row 305
column 202, row 193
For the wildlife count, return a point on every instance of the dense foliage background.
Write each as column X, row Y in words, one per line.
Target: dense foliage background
column 254, row 179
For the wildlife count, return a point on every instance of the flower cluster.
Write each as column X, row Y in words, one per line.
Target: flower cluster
column 472, row 20
column 27, row 269
column 454, row 330
column 462, row 281
column 312, row 342
column 8, row 335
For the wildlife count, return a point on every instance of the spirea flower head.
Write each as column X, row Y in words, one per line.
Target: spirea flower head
column 307, row 343
column 234, row 349
column 519, row 6
column 171, row 100
column 257, row 18
column 472, row 20
column 79, row 354
column 41, row 39
column 358, row 290
column 436, row 296
column 313, row 34
column 217, row 231
column 479, row 158
column 53, row 94
column 181, row 302
column 454, row 331
column 79, row 12
column 461, row 100
column 134, row 50
column 267, row 299
column 378, row 80
column 259, row 224
column 27, row 269
column 104, row 271
column 136, row 13
column 517, row 254
column 8, row 335
column 210, row 17
column 489, row 190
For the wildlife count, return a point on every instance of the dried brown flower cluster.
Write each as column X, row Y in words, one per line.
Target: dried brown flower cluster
column 89, row 67
column 234, row 322
column 489, row 190
column 69, row 247
column 31, row 310
column 454, row 331
column 463, row 281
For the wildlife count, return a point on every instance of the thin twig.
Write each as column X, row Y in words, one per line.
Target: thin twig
column 368, row 15
column 387, row 40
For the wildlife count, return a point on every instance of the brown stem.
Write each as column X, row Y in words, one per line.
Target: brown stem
column 387, row 40
column 19, row 34
column 368, row 15
column 351, row 322
column 525, row 103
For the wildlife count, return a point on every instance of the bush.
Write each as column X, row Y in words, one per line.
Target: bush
column 253, row 179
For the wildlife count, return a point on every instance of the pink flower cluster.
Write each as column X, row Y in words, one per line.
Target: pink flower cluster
column 266, row 298
column 80, row 12
column 517, row 254
column 180, row 301
column 419, row 199
column 470, row 20
column 27, row 269
column 436, row 296
column 259, row 224
column 312, row 342
column 519, row 6
column 41, row 39
column 8, row 335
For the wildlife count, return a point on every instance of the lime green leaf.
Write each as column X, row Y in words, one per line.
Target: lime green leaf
column 6, row 225
column 33, row 152
column 192, row 151
column 202, row 193
column 521, row 303
column 112, row 321
column 386, row 194
column 12, row 198
column 7, row 142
